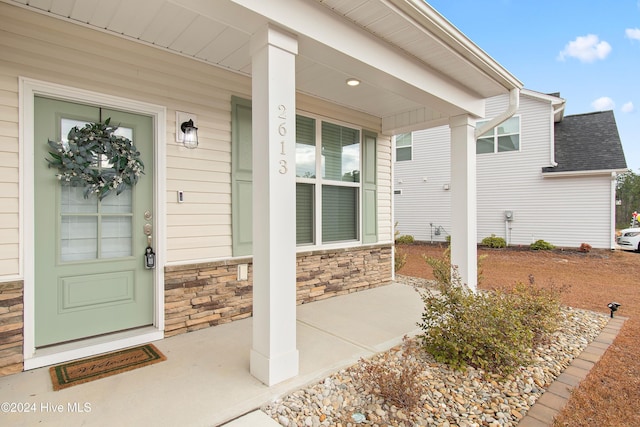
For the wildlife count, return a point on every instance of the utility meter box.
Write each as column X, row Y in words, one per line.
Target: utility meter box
column 508, row 215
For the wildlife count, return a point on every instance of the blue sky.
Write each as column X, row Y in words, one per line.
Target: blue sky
column 589, row 51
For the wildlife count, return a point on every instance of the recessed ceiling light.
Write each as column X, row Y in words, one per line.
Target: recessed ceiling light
column 353, row 82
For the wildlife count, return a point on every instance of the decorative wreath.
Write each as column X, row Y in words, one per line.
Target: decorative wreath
column 98, row 160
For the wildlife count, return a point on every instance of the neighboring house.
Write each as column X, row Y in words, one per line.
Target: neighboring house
column 286, row 199
column 540, row 175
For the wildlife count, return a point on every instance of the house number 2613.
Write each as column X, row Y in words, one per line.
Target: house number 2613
column 282, row 131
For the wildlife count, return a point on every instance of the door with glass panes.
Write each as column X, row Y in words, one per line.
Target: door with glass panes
column 90, row 276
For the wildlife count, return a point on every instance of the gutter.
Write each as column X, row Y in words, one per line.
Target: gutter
column 594, row 172
column 427, row 17
column 514, row 103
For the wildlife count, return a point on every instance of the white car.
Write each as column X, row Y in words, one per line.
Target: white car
column 629, row 238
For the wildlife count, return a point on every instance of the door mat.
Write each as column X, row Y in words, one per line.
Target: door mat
column 93, row 368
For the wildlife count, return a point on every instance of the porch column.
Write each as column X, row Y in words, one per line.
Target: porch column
column 464, row 249
column 274, row 356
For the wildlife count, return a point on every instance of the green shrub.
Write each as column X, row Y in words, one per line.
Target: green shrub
column 442, row 267
column 399, row 258
column 541, row 245
column 494, row 331
column 538, row 307
column 404, row 240
column 494, row 242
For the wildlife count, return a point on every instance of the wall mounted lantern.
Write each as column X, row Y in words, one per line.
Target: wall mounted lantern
column 186, row 131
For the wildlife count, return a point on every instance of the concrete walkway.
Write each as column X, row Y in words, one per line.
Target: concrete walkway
column 205, row 380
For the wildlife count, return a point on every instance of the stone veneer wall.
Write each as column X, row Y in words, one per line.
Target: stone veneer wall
column 202, row 295
column 198, row 296
column 11, row 327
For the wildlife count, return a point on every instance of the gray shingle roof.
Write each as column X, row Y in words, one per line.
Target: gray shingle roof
column 585, row 142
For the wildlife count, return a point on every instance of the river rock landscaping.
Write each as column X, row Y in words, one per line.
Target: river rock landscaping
column 441, row 396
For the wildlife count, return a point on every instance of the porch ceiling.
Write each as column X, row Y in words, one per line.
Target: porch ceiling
column 416, row 69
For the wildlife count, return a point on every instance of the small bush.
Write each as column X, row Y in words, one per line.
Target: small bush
column 538, row 307
column 494, row 242
column 399, row 258
column 494, row 331
column 404, row 240
column 442, row 267
column 541, row 245
column 585, row 247
column 397, row 381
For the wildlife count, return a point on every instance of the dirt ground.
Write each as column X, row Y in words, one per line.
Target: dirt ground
column 610, row 395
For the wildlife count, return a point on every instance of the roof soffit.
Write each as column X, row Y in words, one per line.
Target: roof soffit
column 405, row 71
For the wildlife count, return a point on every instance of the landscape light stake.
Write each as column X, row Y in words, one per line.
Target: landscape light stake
column 613, row 306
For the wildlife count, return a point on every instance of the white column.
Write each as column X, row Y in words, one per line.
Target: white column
column 274, row 356
column 464, row 249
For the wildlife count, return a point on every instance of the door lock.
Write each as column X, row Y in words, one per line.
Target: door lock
column 149, row 254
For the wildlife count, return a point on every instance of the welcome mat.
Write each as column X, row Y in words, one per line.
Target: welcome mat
column 93, row 368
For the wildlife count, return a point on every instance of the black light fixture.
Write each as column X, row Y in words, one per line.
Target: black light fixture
column 190, row 134
column 613, row 306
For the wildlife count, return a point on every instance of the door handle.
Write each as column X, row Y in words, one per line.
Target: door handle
column 148, row 230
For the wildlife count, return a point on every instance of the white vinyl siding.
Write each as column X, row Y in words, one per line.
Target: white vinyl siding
column 51, row 50
column 200, row 229
column 424, row 205
column 564, row 211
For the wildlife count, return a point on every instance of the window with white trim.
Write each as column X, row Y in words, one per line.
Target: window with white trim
column 328, row 181
column 336, row 181
column 502, row 138
column 404, row 147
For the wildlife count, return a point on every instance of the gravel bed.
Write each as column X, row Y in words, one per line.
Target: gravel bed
column 444, row 397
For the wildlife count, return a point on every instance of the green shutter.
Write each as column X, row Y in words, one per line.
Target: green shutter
column 241, row 177
column 369, row 189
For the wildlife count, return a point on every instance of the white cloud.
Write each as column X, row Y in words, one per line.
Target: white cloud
column 632, row 33
column 628, row 107
column 586, row 49
column 604, row 103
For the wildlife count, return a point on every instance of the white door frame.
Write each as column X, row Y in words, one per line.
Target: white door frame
column 28, row 89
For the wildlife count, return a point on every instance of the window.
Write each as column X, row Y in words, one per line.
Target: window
column 91, row 228
column 336, row 182
column 505, row 137
column 404, row 147
column 333, row 181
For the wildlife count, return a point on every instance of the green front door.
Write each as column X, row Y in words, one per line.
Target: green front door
column 90, row 277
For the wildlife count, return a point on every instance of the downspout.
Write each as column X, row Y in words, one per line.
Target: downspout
column 612, row 229
column 552, row 137
column 514, row 103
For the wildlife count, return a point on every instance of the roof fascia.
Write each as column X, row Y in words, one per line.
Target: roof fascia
column 415, row 80
column 425, row 16
column 558, row 104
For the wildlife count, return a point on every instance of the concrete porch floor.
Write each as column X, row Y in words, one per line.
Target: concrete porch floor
column 205, row 380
